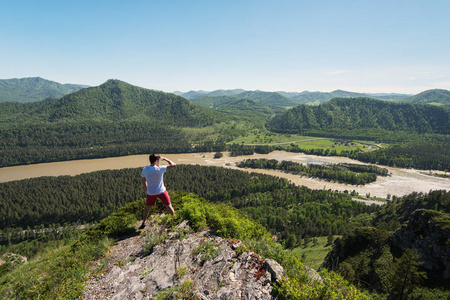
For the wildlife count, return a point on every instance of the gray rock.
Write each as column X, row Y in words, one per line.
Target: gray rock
column 313, row 275
column 174, row 263
column 275, row 269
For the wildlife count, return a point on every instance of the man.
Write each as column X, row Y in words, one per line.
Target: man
column 152, row 180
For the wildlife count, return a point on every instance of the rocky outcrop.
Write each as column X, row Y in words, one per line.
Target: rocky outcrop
column 199, row 264
column 428, row 232
column 12, row 259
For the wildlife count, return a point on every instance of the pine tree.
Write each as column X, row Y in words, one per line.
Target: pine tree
column 405, row 274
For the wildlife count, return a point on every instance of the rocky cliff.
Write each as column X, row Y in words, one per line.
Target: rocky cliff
column 370, row 256
column 180, row 264
column 427, row 231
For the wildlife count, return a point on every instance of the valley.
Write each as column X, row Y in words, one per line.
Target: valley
column 400, row 183
column 80, row 157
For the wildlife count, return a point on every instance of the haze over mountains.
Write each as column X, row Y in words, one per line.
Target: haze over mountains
column 305, row 97
column 438, row 97
column 34, row 89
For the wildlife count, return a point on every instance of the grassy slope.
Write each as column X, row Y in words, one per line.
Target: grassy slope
column 60, row 273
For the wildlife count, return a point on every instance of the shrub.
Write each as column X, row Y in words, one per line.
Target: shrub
column 181, row 271
column 152, row 239
column 208, row 248
column 332, row 287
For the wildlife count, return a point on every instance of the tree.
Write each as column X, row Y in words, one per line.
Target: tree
column 405, row 274
column 330, row 239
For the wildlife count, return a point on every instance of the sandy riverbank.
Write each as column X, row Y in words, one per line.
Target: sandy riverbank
column 401, row 182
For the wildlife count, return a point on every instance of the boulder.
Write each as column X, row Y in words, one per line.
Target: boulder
column 184, row 266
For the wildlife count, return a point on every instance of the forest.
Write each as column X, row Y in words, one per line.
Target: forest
column 395, row 244
column 288, row 211
column 292, row 214
column 359, row 114
column 116, row 119
column 38, row 143
column 344, row 173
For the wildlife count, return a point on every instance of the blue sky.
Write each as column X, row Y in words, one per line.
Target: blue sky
column 362, row 46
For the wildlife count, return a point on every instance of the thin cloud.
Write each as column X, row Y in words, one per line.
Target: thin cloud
column 336, row 72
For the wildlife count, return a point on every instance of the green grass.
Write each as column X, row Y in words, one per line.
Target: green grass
column 313, row 256
column 218, row 130
column 61, row 273
column 257, row 137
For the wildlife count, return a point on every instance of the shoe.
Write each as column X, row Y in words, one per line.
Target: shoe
column 142, row 225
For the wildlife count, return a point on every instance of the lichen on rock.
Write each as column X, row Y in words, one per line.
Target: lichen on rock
column 176, row 266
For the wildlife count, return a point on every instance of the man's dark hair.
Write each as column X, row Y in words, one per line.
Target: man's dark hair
column 153, row 157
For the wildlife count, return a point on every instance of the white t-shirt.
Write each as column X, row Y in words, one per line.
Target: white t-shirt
column 154, row 177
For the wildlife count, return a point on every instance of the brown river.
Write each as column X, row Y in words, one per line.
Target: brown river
column 401, row 182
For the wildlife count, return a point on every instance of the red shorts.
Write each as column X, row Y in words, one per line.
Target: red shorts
column 151, row 199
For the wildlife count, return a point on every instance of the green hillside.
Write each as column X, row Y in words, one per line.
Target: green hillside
column 236, row 106
column 249, row 108
column 393, row 256
column 362, row 114
column 418, row 134
column 435, row 97
column 269, row 98
column 305, row 97
column 62, row 272
column 34, row 89
column 322, row 97
column 112, row 101
column 112, row 119
column 291, row 213
column 216, row 93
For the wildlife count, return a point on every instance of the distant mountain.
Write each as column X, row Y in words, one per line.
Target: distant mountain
column 389, row 97
column 240, row 107
column 112, row 101
column 436, row 97
column 322, row 97
column 212, row 102
column 306, row 97
column 191, row 94
column 362, row 114
column 210, row 99
column 271, row 98
column 217, row 93
column 34, row 89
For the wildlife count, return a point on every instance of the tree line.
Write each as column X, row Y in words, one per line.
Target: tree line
column 360, row 114
column 284, row 208
column 345, row 173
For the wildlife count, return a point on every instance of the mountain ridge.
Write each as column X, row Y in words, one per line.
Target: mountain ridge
column 32, row 89
column 436, row 96
column 363, row 113
column 304, row 97
column 113, row 100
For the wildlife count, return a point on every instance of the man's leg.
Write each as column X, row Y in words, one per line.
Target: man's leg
column 146, row 211
column 144, row 216
column 165, row 198
column 171, row 210
column 149, row 202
